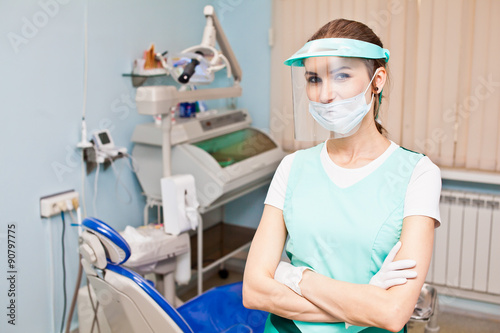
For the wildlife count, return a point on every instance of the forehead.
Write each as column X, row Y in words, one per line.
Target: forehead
column 331, row 63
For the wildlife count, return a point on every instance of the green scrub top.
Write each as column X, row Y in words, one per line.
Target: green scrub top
column 342, row 233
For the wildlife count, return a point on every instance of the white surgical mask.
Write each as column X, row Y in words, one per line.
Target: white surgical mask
column 342, row 117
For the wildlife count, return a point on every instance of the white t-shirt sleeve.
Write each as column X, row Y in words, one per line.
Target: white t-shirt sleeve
column 277, row 190
column 424, row 191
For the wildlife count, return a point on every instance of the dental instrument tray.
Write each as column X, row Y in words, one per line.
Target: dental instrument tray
column 226, row 156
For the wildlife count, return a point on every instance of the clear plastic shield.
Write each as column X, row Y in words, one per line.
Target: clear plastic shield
column 326, row 76
column 329, row 96
column 306, row 128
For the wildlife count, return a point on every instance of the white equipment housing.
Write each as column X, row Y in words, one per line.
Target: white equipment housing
column 225, row 155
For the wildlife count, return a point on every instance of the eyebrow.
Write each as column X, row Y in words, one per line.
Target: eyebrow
column 333, row 71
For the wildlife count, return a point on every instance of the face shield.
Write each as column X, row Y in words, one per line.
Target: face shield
column 330, row 86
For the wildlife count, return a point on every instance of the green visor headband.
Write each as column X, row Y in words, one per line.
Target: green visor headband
column 340, row 47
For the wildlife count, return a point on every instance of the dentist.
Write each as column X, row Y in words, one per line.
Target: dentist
column 358, row 210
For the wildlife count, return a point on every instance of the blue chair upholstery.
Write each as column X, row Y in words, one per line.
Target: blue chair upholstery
column 222, row 308
column 217, row 310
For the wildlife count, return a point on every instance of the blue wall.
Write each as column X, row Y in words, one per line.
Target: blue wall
column 42, row 47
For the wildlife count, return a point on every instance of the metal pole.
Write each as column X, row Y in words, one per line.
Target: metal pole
column 166, row 149
column 200, row 257
column 432, row 325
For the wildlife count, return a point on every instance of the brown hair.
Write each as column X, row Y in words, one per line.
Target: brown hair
column 342, row 28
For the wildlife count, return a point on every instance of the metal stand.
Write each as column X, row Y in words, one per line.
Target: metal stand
column 426, row 309
column 432, row 325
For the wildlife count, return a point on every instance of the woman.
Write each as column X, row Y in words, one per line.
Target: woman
column 345, row 203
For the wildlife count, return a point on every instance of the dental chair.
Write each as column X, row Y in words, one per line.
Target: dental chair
column 132, row 304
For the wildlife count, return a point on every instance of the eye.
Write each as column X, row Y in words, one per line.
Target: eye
column 313, row 79
column 342, row 76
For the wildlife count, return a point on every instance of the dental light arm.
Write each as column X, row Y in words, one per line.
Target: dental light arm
column 198, row 63
column 159, row 100
column 213, row 31
column 155, row 100
column 224, row 45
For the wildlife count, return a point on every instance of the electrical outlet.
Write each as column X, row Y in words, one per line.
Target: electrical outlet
column 53, row 204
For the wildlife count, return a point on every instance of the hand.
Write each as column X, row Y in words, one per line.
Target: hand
column 393, row 273
column 289, row 275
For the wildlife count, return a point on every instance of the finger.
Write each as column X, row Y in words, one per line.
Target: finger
column 392, row 253
column 394, row 282
column 409, row 274
column 401, row 264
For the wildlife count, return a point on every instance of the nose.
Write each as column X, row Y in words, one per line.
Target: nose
column 326, row 94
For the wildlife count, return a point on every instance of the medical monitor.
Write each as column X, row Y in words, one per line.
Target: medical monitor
column 102, row 140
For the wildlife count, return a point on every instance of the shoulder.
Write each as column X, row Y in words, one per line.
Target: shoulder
column 409, row 155
column 424, row 191
column 277, row 190
column 410, row 151
column 426, row 168
column 312, row 150
column 302, row 154
column 284, row 167
column 287, row 161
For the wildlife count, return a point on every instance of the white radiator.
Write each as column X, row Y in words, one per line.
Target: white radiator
column 466, row 259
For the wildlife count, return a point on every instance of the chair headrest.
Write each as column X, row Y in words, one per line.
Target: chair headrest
column 116, row 247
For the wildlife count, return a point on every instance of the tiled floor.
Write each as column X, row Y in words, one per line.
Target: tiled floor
column 449, row 322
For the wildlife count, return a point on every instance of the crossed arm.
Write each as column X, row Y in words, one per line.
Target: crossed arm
column 260, row 290
column 329, row 300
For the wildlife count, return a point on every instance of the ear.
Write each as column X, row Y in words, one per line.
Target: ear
column 379, row 80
